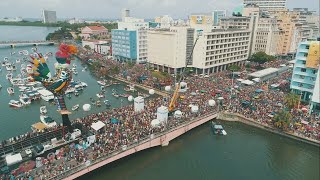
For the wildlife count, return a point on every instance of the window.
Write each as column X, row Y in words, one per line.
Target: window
column 303, row 70
column 314, row 71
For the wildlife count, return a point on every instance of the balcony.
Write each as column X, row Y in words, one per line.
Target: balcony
column 301, row 88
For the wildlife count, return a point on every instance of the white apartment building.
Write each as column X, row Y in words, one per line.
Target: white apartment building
column 138, row 25
column 219, row 48
column 267, row 36
column 169, row 49
column 268, row 5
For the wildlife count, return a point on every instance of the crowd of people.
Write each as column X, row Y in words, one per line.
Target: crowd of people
column 130, row 127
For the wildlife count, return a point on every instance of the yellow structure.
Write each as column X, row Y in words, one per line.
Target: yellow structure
column 313, row 59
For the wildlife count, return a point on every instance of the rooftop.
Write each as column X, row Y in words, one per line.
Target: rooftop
column 264, row 72
column 97, row 28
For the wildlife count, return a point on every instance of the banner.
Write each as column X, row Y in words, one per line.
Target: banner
column 313, row 59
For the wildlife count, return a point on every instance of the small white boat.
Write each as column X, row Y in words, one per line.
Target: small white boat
column 20, row 52
column 83, row 84
column 75, row 72
column 25, row 52
column 3, row 64
column 25, row 101
column 0, row 86
column 17, row 104
column 75, row 107
column 18, row 61
column 115, row 95
column 43, row 110
column 9, row 67
column 100, row 95
column 9, row 76
column 5, row 58
column 48, row 121
column 14, row 68
column 74, row 65
column 12, row 53
column 10, row 90
column 23, row 66
column 101, row 83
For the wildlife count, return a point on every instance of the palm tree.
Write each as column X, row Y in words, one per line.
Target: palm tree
column 292, row 100
column 282, row 119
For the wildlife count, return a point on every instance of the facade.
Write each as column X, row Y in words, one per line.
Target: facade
column 201, row 21
column 169, row 49
column 124, row 45
column 219, row 48
column 75, row 21
column 267, row 5
column 101, row 47
column 305, row 76
column 125, row 13
column 49, row 16
column 235, row 22
column 91, row 31
column 165, row 21
column 217, row 15
column 267, row 36
column 139, row 27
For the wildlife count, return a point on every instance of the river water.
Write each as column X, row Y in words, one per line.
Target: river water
column 245, row 153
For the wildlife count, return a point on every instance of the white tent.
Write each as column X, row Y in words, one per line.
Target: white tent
column 275, row 85
column 247, row 82
column 97, row 126
column 177, row 114
column 256, row 79
column 240, row 80
column 220, row 98
column 13, row 159
column 155, row 123
column 194, row 109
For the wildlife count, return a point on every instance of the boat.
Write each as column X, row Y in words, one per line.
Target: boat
column 115, row 94
column 18, row 61
column 76, row 93
column 12, row 53
column 100, row 95
column 48, row 121
column 14, row 68
column 107, row 103
column 46, row 95
column 102, row 88
column 20, row 52
column 101, row 83
column 5, row 58
column 68, row 96
column 9, row 76
column 9, row 67
column 3, row 64
column 25, row 52
column 10, row 90
column 75, row 72
column 75, row 107
column 14, row 103
column 74, row 65
column 0, row 86
column 43, row 110
column 83, row 84
column 25, row 101
column 98, row 103
column 217, row 129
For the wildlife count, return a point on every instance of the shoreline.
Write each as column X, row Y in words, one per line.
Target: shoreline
column 233, row 117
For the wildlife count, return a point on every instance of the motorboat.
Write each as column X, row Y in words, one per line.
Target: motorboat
column 5, row 58
column 98, row 103
column 25, row 52
column 10, row 90
column 48, row 121
column 83, row 84
column 17, row 81
column 75, row 72
column 115, row 94
column 217, row 129
column 14, row 68
column 76, row 93
column 70, row 90
column 18, row 61
column 3, row 64
column 46, row 95
column 9, row 76
column 101, row 83
column 20, row 52
column 100, row 95
column 16, row 104
column 9, row 67
column 74, row 65
column 102, row 88
column 12, row 53
column 75, row 107
column 25, row 101
column 107, row 103
column 43, row 110
column 0, row 86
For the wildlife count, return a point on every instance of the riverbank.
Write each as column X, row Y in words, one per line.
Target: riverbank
column 233, row 117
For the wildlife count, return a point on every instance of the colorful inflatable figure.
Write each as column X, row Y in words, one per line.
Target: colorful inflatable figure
column 58, row 83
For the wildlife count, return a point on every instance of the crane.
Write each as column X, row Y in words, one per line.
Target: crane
column 175, row 95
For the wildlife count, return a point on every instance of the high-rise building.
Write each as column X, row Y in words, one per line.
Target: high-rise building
column 201, row 21
column 267, row 5
column 219, row 48
column 125, row 13
column 306, row 77
column 169, row 49
column 130, row 41
column 217, row 15
column 49, row 16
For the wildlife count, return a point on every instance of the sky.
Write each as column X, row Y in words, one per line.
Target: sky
column 138, row 8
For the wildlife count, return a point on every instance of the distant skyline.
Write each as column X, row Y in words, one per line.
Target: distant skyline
column 110, row 9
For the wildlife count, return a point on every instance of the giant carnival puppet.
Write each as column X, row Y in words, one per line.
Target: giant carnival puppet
column 58, row 82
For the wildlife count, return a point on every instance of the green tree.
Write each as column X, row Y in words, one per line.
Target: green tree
column 282, row 119
column 234, row 68
column 261, row 57
column 292, row 100
column 87, row 47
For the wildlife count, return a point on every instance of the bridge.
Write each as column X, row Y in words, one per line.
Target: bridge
column 14, row 44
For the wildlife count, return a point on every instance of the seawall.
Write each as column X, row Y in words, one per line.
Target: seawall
column 233, row 117
column 162, row 139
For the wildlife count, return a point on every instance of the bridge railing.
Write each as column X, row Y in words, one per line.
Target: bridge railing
column 83, row 166
column 25, row 42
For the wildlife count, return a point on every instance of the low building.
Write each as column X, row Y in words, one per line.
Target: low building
column 89, row 32
column 265, row 74
column 305, row 76
column 101, row 47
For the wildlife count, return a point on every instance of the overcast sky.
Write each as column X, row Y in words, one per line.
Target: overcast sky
column 139, row 8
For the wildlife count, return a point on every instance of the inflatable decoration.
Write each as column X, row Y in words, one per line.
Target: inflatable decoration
column 58, row 82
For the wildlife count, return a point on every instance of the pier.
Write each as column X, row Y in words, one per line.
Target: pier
column 13, row 44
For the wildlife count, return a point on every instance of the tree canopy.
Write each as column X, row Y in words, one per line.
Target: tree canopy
column 261, row 57
column 234, row 68
column 292, row 100
column 282, row 119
